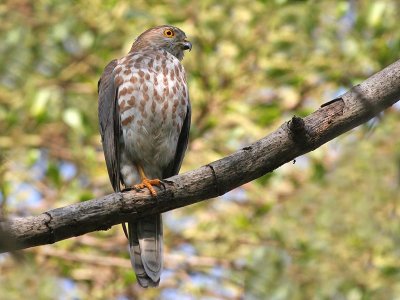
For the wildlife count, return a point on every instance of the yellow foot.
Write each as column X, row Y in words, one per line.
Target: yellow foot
column 149, row 183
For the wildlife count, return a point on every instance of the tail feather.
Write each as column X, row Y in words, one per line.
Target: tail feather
column 145, row 247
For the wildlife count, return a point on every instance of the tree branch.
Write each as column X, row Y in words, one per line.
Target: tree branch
column 290, row 140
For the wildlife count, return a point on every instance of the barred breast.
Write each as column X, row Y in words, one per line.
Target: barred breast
column 152, row 101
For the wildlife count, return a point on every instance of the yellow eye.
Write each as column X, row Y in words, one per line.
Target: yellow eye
column 169, row 33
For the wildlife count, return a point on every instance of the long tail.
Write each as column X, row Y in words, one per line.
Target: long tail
column 145, row 248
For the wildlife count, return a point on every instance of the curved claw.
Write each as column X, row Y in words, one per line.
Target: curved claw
column 149, row 183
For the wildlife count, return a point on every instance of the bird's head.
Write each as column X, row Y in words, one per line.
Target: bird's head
column 164, row 37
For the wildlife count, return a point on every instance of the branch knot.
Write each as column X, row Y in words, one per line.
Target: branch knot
column 52, row 237
column 216, row 183
column 298, row 131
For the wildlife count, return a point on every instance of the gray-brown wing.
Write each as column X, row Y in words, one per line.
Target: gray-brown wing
column 174, row 167
column 109, row 123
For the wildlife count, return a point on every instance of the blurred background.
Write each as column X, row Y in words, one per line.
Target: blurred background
column 325, row 227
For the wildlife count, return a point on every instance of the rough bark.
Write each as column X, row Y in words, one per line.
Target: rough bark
column 290, row 140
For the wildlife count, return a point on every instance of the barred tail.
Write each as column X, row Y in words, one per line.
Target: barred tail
column 145, row 248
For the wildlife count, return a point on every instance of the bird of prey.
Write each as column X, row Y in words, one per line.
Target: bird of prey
column 144, row 121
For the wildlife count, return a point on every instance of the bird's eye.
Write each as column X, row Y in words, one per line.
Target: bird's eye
column 169, row 33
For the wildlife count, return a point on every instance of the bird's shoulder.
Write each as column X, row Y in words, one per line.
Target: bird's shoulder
column 107, row 73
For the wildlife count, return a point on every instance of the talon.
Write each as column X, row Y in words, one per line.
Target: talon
column 149, row 183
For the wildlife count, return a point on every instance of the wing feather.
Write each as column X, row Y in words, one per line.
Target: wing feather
column 109, row 123
column 175, row 165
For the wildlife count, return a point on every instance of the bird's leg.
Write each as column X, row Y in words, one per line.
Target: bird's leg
column 147, row 183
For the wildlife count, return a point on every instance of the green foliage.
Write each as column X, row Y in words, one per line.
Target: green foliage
column 325, row 227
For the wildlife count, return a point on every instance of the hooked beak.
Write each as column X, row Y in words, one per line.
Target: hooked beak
column 186, row 45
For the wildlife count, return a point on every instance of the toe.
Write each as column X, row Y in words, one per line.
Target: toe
column 149, row 183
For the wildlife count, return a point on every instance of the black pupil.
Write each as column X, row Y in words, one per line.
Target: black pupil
column 169, row 32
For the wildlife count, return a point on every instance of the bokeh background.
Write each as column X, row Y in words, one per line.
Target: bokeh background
column 325, row 227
